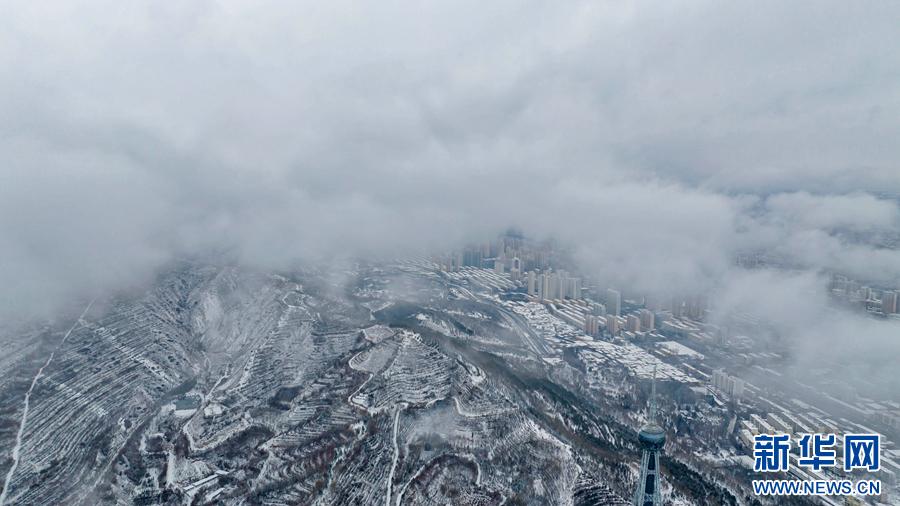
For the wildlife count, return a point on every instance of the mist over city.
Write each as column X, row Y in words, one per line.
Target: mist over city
column 444, row 253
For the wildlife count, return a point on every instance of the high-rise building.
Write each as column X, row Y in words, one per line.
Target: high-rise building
column 598, row 309
column 613, row 302
column 677, row 307
column 632, row 323
column 575, row 288
column 646, row 319
column 545, row 286
column 591, row 324
column 652, row 439
column 737, row 388
column 472, row 256
column 695, row 307
column 889, row 302
column 498, row 265
column 612, row 324
column 719, row 378
column 730, row 385
column 652, row 302
column 531, row 283
column 865, row 293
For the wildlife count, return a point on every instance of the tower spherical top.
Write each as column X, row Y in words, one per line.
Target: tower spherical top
column 652, row 436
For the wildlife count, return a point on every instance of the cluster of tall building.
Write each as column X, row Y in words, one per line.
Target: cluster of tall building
column 643, row 320
column 513, row 265
column 885, row 301
column 553, row 285
column 694, row 307
column 727, row 384
column 499, row 254
column 452, row 262
column 603, row 316
column 591, row 324
column 509, row 245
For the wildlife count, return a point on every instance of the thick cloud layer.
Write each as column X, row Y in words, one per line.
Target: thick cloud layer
column 661, row 139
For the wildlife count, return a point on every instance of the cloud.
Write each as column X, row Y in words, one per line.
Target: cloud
column 826, row 345
column 659, row 140
column 856, row 212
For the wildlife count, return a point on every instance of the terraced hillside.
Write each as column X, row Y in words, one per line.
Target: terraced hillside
column 220, row 385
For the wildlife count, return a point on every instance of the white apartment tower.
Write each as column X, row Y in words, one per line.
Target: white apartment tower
column 613, row 302
column 632, row 323
column 646, row 319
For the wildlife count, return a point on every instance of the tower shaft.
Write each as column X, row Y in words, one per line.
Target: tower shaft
column 647, row 490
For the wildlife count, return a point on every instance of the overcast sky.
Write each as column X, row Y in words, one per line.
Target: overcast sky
column 661, row 138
